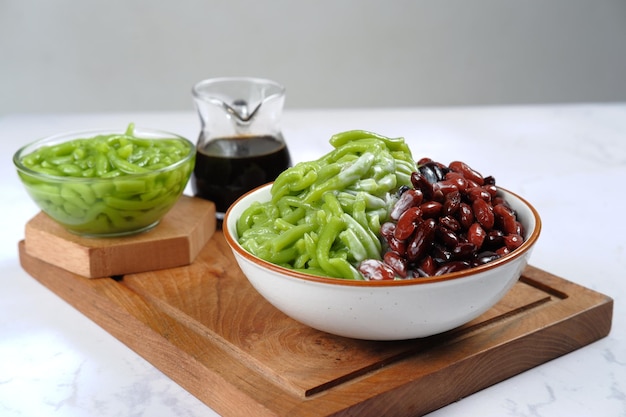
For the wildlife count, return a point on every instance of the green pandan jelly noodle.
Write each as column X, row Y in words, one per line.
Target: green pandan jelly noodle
column 107, row 184
column 325, row 215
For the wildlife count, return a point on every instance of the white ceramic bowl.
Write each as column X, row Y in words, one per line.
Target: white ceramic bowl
column 384, row 310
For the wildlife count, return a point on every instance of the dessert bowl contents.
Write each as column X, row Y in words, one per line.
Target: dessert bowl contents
column 451, row 219
column 316, row 272
column 366, row 210
column 106, row 183
column 325, row 215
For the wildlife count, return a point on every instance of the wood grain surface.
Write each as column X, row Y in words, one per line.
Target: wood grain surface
column 175, row 241
column 206, row 327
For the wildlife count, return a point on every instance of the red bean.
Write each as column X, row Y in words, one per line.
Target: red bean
column 427, row 266
column 469, row 173
column 450, row 222
column 451, row 203
column 420, row 183
column 431, row 209
column 472, row 184
column 485, row 257
column 397, row 263
column 463, row 251
column 409, row 198
column 476, row 235
column 387, row 229
column 452, row 219
column 494, row 239
column 422, row 240
column 503, row 251
column 441, row 254
column 438, row 195
column 506, row 218
column 491, row 189
column 375, row 270
column 447, row 237
column 465, row 215
column 457, row 179
column 475, row 193
column 398, row 246
column 499, row 200
column 452, row 267
column 429, row 190
column 513, row 242
column 483, row 213
column 407, row 223
column 446, row 187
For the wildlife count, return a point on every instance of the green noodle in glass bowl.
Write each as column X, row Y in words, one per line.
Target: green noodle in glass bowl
column 103, row 183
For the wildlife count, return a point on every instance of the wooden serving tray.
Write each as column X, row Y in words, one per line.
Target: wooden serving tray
column 211, row 332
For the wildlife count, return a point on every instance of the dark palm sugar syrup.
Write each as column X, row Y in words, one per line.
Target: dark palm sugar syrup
column 228, row 167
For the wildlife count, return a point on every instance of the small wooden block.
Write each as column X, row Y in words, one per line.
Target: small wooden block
column 175, row 241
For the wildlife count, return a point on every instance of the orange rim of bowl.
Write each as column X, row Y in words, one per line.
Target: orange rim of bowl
column 528, row 243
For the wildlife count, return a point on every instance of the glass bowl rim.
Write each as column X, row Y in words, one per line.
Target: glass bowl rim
column 88, row 134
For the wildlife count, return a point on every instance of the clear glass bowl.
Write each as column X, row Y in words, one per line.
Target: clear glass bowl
column 101, row 206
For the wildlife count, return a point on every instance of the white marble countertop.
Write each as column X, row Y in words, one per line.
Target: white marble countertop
column 569, row 161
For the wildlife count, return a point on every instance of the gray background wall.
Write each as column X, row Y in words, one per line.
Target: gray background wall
column 88, row 55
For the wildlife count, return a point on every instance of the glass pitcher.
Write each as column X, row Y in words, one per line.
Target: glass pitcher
column 241, row 145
